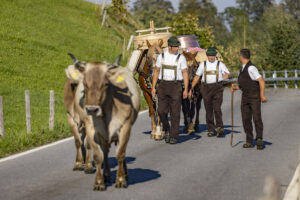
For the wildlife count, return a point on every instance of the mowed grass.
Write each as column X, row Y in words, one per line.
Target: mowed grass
column 35, row 37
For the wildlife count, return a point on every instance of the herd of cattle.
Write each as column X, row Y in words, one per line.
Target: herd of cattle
column 102, row 101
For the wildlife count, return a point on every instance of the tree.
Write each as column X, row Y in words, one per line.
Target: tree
column 160, row 11
column 292, row 7
column 207, row 15
column 187, row 24
column 189, row 6
column 284, row 48
column 254, row 8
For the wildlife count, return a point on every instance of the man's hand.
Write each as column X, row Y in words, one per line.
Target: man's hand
column 185, row 94
column 234, row 87
column 190, row 94
column 263, row 99
column 153, row 92
column 232, row 90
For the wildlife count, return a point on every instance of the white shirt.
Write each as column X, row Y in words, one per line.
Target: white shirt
column 170, row 59
column 253, row 72
column 212, row 67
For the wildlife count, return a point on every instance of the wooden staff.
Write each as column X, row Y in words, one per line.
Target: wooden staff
column 232, row 96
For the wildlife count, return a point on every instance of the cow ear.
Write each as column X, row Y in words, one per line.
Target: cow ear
column 148, row 44
column 116, row 79
column 161, row 42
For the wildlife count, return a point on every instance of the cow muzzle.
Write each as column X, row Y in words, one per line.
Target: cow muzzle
column 94, row 110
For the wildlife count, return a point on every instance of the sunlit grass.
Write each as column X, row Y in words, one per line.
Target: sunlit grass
column 35, row 37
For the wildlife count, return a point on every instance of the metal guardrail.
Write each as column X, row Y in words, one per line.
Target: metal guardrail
column 284, row 77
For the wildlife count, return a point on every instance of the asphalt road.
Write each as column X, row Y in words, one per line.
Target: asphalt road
column 197, row 168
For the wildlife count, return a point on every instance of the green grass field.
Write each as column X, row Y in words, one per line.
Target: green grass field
column 35, row 37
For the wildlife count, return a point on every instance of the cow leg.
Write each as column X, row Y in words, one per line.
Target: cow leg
column 83, row 146
column 159, row 134
column 151, row 112
column 120, row 155
column 106, row 168
column 89, row 168
column 75, row 130
column 98, row 155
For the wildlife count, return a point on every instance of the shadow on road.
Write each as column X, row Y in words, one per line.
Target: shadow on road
column 136, row 175
column 266, row 143
column 113, row 161
column 183, row 137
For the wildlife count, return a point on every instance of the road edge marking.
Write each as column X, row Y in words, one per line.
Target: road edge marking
column 17, row 155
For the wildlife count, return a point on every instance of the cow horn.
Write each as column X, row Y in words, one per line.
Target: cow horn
column 117, row 61
column 79, row 65
column 73, row 58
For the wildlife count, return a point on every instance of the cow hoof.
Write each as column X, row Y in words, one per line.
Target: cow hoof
column 89, row 169
column 99, row 187
column 158, row 137
column 191, row 129
column 121, row 182
column 79, row 166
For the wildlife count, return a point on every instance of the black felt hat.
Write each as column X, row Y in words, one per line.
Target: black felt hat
column 211, row 51
column 173, row 41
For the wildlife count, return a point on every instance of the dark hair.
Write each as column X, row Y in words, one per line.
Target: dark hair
column 245, row 53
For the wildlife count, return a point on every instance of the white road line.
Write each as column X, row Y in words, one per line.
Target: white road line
column 44, row 147
column 35, row 149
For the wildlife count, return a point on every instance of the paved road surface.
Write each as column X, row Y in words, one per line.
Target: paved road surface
column 197, row 168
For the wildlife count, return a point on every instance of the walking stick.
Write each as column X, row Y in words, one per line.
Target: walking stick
column 232, row 96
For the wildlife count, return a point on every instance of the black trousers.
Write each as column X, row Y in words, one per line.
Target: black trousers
column 213, row 97
column 251, row 108
column 169, row 101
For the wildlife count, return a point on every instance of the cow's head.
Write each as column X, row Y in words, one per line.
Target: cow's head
column 153, row 51
column 97, row 78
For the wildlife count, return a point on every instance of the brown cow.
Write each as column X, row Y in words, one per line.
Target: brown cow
column 73, row 104
column 112, row 103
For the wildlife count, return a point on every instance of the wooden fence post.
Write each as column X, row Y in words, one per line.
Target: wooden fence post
column 2, row 133
column 275, row 76
column 124, row 48
column 129, row 43
column 104, row 16
column 103, row 6
column 296, row 76
column 28, row 114
column 52, row 111
column 286, row 76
